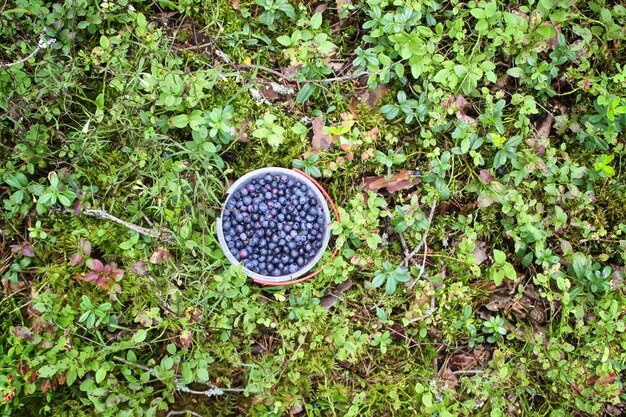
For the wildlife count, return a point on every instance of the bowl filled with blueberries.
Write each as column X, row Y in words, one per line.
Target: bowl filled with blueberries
column 275, row 223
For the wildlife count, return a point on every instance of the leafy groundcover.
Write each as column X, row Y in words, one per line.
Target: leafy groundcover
column 475, row 151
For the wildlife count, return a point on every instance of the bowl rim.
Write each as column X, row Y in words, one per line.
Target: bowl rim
column 321, row 199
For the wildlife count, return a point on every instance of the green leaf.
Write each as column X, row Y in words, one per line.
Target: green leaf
column 579, row 265
column 203, row 374
column 141, row 20
column 390, row 288
column 180, row 121
column 284, row 40
column 100, row 374
column 547, row 31
column 498, row 256
column 515, row 72
column 316, row 21
column 378, row 280
column 402, row 274
column 140, row 336
column 509, row 271
column 104, row 42
column 427, row 399
column 70, row 376
column 47, row 371
column 399, row 68
column 188, row 376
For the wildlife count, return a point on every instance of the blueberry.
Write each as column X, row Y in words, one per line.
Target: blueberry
column 292, row 269
column 243, row 236
column 300, row 261
column 500, row 171
column 268, row 195
column 239, row 228
column 263, row 208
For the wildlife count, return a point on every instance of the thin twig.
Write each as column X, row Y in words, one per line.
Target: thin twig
column 423, row 241
column 180, row 386
column 421, row 272
column 43, row 44
column 175, row 413
column 269, row 70
column 101, row 214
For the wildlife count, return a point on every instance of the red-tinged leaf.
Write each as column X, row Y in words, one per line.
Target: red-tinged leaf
column 45, row 386
column 27, row 251
column 321, row 140
column 402, row 180
column 61, row 377
column 77, row 208
column 461, row 103
column 185, row 338
column 92, row 276
column 85, row 246
column 140, row 268
column 465, row 118
column 22, row 367
column 486, row 176
column 160, row 255
column 25, row 333
column 97, row 265
column 76, row 259
column 118, row 274
column 103, row 282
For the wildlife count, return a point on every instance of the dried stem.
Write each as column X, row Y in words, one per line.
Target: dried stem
column 101, row 214
column 176, row 413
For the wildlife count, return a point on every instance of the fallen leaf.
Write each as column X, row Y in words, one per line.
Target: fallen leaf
column 320, row 8
column 371, row 98
column 140, row 268
column 185, row 338
column 480, row 252
column 160, row 255
column 402, row 180
column 485, row 176
column 235, row 4
column 76, row 259
column 321, row 140
column 329, row 300
column 24, row 333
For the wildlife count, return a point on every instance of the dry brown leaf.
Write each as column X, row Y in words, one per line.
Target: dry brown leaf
column 480, row 252
column 402, row 180
column 341, row 4
column 329, row 300
column 235, row 4
column 462, row 361
column 321, row 140
column 371, row 98
column 320, row 8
